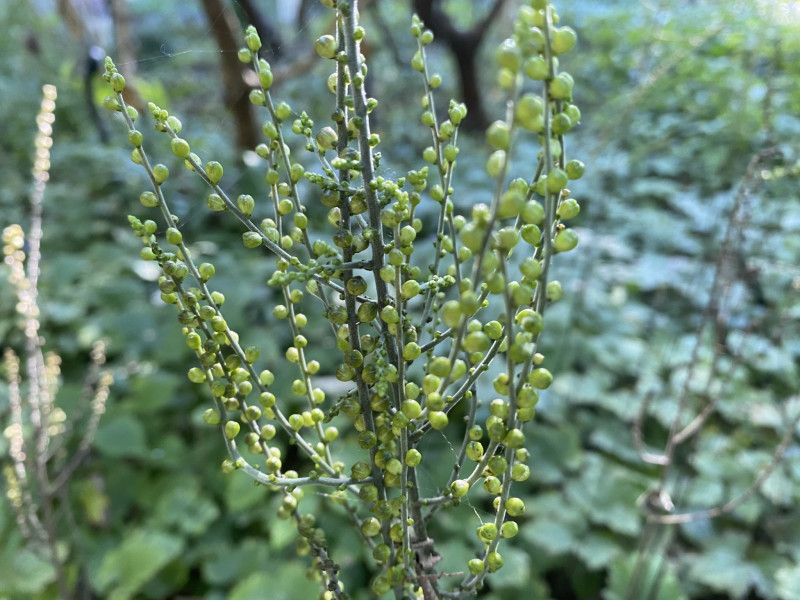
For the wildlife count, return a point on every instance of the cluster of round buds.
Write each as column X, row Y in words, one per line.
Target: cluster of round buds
column 414, row 335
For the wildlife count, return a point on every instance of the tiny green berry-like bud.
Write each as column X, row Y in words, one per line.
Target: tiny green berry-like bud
column 574, row 169
column 459, row 488
column 554, row 291
column 283, row 111
column 556, row 180
column 197, row 375
column 257, row 98
column 252, row 40
column 117, row 82
column 540, row 378
column 265, row 78
column 413, row 457
column 206, row 271
column 495, row 163
column 326, row 46
column 499, row 135
column 214, row 171
column 251, row 239
column 568, row 209
column 495, row 561
column 246, row 204
column 180, row 147
column 561, row 87
column 326, row 138
column 476, row 566
column 148, row 199
column 160, row 173
column 565, row 240
column 438, row 419
column 232, row 429
column 515, row 507
column 174, row 236
column 245, row 55
column 564, row 40
column 135, row 137
column 509, row 529
column 112, row 103
column 211, row 417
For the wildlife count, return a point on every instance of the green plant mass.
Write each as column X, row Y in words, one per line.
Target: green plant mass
column 466, row 298
column 423, row 342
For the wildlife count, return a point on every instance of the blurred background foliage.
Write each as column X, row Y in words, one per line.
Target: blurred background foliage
column 677, row 99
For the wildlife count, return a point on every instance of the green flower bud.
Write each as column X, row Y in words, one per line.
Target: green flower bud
column 439, row 366
column 531, row 234
column 251, row 239
column 540, row 378
column 160, row 173
column 148, row 199
column 561, row 87
column 476, row 566
column 556, row 180
column 246, row 204
column 495, row 164
column 508, row 55
column 216, row 203
column 111, row 103
column 117, row 82
column 326, row 46
column 515, row 507
column 174, row 236
column 180, row 147
column 568, row 209
column 411, row 409
column 565, row 240
column 135, row 137
column 326, row 138
column 499, row 135
column 252, row 40
column 244, row 55
column 574, row 169
column 211, row 417
column 536, row 68
column 438, row 419
column 563, row 40
column 283, row 111
column 257, row 98
column 232, row 429
column 459, row 488
column 213, row 171
column 487, row 532
column 265, row 78
column 560, row 124
column 495, row 561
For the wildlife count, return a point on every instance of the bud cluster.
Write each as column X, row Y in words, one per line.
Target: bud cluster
column 416, row 337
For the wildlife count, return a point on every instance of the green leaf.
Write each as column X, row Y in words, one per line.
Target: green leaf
column 136, row 561
column 723, row 568
column 286, row 583
column 788, row 582
column 654, row 578
column 32, row 573
column 186, row 509
column 598, row 549
column 122, row 436
column 241, row 493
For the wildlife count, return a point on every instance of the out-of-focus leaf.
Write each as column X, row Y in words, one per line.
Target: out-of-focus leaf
column 654, row 579
column 121, row 436
column 135, row 561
